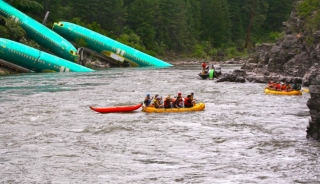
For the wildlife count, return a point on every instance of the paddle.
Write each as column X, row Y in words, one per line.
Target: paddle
column 305, row 90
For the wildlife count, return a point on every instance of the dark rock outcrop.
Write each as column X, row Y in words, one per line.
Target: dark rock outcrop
column 293, row 58
column 235, row 76
column 313, row 129
column 290, row 59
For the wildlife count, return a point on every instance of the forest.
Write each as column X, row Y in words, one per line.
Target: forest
column 183, row 28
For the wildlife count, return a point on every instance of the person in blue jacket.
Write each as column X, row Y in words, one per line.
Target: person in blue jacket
column 147, row 100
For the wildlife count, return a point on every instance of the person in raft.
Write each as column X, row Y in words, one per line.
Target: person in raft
column 289, row 87
column 192, row 98
column 188, row 102
column 178, row 103
column 296, row 86
column 270, row 85
column 167, row 102
column 157, row 103
column 205, row 68
column 147, row 100
column 283, row 86
column 154, row 99
column 277, row 86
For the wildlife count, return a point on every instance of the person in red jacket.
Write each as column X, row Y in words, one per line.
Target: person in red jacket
column 178, row 103
column 205, row 68
column 283, row 87
column 188, row 101
column 278, row 86
column 167, row 102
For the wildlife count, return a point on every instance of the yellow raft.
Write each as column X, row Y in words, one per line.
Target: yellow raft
column 197, row 107
column 274, row 92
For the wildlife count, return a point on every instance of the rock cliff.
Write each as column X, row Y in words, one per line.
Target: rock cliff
column 292, row 58
column 295, row 57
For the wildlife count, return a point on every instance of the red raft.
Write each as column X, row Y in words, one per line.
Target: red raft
column 116, row 108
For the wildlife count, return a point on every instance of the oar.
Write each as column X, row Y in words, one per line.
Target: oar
column 305, row 90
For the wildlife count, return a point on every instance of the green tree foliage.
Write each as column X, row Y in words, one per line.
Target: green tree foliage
column 15, row 32
column 310, row 10
column 193, row 24
column 30, row 43
column 215, row 21
column 134, row 41
column 81, row 42
column 277, row 13
column 256, row 10
column 4, row 32
column 203, row 28
column 143, row 20
column 315, row 22
column 59, row 10
column 306, row 7
column 26, row 5
column 172, row 26
column 238, row 20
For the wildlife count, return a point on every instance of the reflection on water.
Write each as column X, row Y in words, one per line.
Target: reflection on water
column 49, row 135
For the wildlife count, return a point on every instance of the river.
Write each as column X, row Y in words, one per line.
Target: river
column 49, row 135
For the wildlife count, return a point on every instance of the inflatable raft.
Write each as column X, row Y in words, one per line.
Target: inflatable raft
column 116, row 108
column 197, row 107
column 274, row 92
column 204, row 76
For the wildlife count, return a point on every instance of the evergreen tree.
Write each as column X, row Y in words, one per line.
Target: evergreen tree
column 238, row 28
column 115, row 17
column 58, row 10
column 172, row 26
column 256, row 9
column 215, row 21
column 193, row 13
column 24, row 5
column 143, row 20
column 277, row 13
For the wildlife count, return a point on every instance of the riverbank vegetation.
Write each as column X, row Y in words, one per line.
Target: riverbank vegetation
column 210, row 29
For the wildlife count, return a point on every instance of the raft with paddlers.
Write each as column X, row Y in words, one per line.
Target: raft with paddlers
column 275, row 92
column 196, row 107
column 211, row 73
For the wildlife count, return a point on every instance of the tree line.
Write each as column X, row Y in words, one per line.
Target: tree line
column 189, row 28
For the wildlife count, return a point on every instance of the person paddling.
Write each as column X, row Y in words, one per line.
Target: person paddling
column 188, row 101
column 147, row 100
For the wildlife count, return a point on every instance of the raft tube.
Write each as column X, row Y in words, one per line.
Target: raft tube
column 274, row 92
column 203, row 76
column 116, row 108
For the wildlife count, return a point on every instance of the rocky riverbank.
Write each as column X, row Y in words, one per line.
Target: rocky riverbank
column 293, row 58
column 313, row 129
